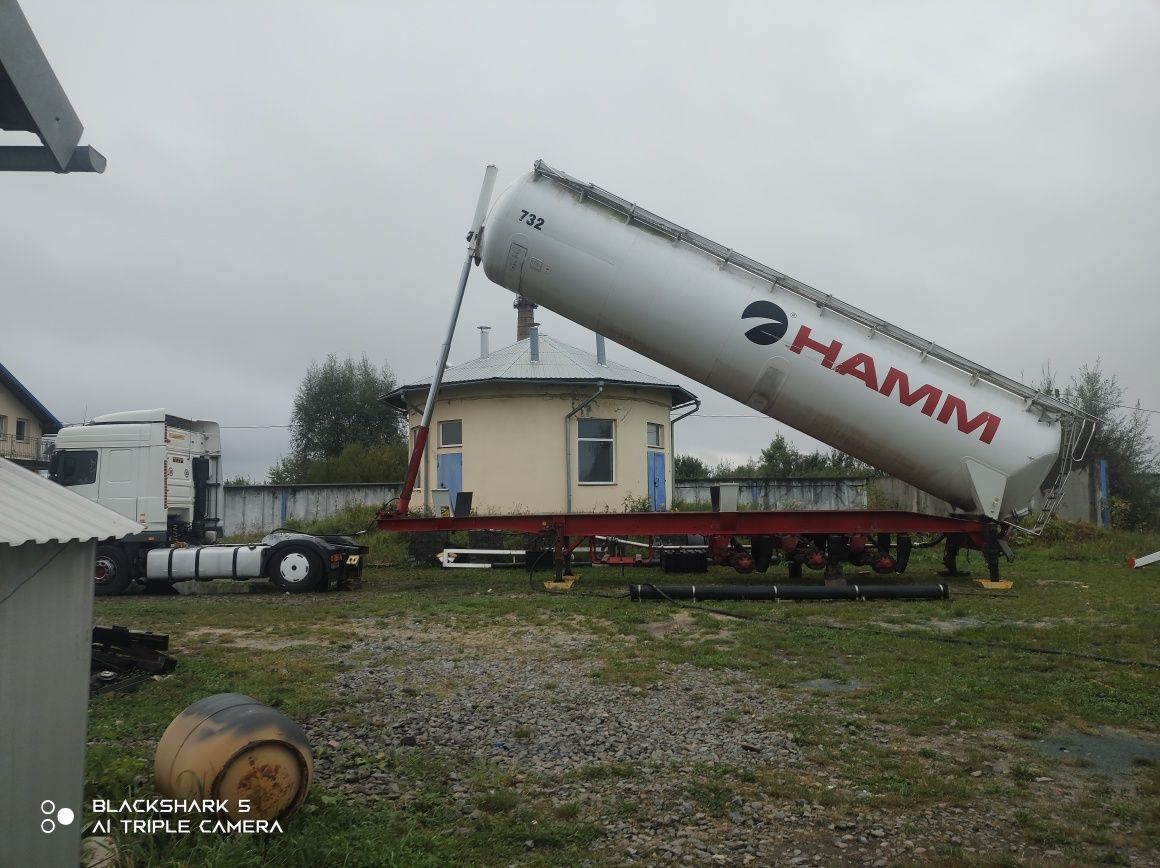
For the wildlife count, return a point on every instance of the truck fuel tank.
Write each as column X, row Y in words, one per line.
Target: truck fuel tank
column 205, row 562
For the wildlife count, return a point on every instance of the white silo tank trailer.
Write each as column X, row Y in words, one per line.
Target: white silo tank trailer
column 983, row 442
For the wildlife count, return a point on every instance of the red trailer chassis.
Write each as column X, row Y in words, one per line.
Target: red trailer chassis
column 855, row 536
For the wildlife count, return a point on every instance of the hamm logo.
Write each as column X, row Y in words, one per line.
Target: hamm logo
column 768, row 332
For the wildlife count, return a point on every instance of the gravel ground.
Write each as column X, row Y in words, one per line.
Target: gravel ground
column 666, row 770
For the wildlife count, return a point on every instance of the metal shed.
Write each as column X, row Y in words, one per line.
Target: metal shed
column 48, row 537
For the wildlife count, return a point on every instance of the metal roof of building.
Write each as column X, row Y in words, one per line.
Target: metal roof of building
column 34, row 509
column 559, row 363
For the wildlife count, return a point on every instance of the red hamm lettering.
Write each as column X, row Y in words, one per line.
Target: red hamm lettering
column 989, row 422
column 928, row 394
column 803, row 342
column 861, row 366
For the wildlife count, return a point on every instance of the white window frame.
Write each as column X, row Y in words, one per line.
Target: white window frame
column 611, row 440
column 660, row 429
column 3, row 426
column 445, row 445
column 26, row 424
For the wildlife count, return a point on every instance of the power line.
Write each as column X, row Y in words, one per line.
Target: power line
column 728, row 416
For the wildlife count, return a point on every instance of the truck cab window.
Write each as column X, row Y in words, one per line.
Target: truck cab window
column 74, row 467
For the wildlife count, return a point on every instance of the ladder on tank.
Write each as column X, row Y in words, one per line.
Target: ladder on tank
column 1070, row 454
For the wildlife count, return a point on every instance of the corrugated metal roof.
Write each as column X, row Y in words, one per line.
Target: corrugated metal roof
column 34, row 509
column 559, row 363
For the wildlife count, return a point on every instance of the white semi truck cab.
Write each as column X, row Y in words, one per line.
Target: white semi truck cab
column 159, row 470
column 165, row 472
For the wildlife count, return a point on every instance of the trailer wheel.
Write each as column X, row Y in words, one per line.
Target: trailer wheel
column 296, row 569
column 110, row 572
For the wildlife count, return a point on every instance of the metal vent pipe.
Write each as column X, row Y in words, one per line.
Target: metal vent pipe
column 534, row 339
column 483, row 341
column 601, row 357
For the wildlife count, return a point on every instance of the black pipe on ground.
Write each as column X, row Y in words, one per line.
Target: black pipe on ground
column 788, row 592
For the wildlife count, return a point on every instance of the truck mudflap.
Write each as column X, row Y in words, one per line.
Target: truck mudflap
column 299, row 562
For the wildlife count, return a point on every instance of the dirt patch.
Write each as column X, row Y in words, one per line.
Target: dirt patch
column 829, row 685
column 1111, row 753
column 678, row 622
column 503, row 638
column 244, row 639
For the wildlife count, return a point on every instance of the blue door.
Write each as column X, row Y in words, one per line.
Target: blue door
column 449, row 467
column 656, row 480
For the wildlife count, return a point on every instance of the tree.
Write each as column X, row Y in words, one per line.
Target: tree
column 690, row 467
column 779, row 460
column 1122, row 440
column 337, row 405
column 782, row 460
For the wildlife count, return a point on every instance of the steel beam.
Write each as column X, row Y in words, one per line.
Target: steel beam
column 804, row 522
column 20, row 158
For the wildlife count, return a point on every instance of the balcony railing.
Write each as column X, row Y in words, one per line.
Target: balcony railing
column 26, row 448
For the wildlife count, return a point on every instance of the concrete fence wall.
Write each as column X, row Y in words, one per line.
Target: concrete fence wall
column 256, row 509
column 781, row 493
column 1078, row 503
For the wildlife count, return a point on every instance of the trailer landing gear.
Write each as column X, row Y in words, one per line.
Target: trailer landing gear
column 993, row 546
column 563, row 582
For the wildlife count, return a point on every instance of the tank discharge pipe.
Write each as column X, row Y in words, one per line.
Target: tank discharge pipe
column 698, row 593
column 474, row 237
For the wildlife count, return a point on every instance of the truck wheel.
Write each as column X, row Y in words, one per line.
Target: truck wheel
column 296, row 569
column 111, row 572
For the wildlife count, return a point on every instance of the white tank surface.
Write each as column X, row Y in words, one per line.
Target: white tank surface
column 206, row 562
column 951, row 427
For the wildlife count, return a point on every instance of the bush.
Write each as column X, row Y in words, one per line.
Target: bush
column 359, row 463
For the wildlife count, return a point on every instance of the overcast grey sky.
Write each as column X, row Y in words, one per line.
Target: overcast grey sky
column 291, row 179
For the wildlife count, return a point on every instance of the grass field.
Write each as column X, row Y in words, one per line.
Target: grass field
column 1016, row 727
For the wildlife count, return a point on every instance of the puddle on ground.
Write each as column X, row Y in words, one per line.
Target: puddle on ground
column 1109, row 753
column 829, row 685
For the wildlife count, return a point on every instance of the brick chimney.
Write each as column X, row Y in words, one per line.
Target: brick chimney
column 525, row 316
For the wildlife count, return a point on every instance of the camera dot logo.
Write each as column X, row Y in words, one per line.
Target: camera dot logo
column 64, row 816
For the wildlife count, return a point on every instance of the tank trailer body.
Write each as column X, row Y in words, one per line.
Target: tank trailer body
column 755, row 337
column 164, row 472
column 980, row 441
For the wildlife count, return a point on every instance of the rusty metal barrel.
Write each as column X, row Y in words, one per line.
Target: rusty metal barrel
column 231, row 748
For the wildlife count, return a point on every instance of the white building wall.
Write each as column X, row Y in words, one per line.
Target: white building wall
column 513, row 445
